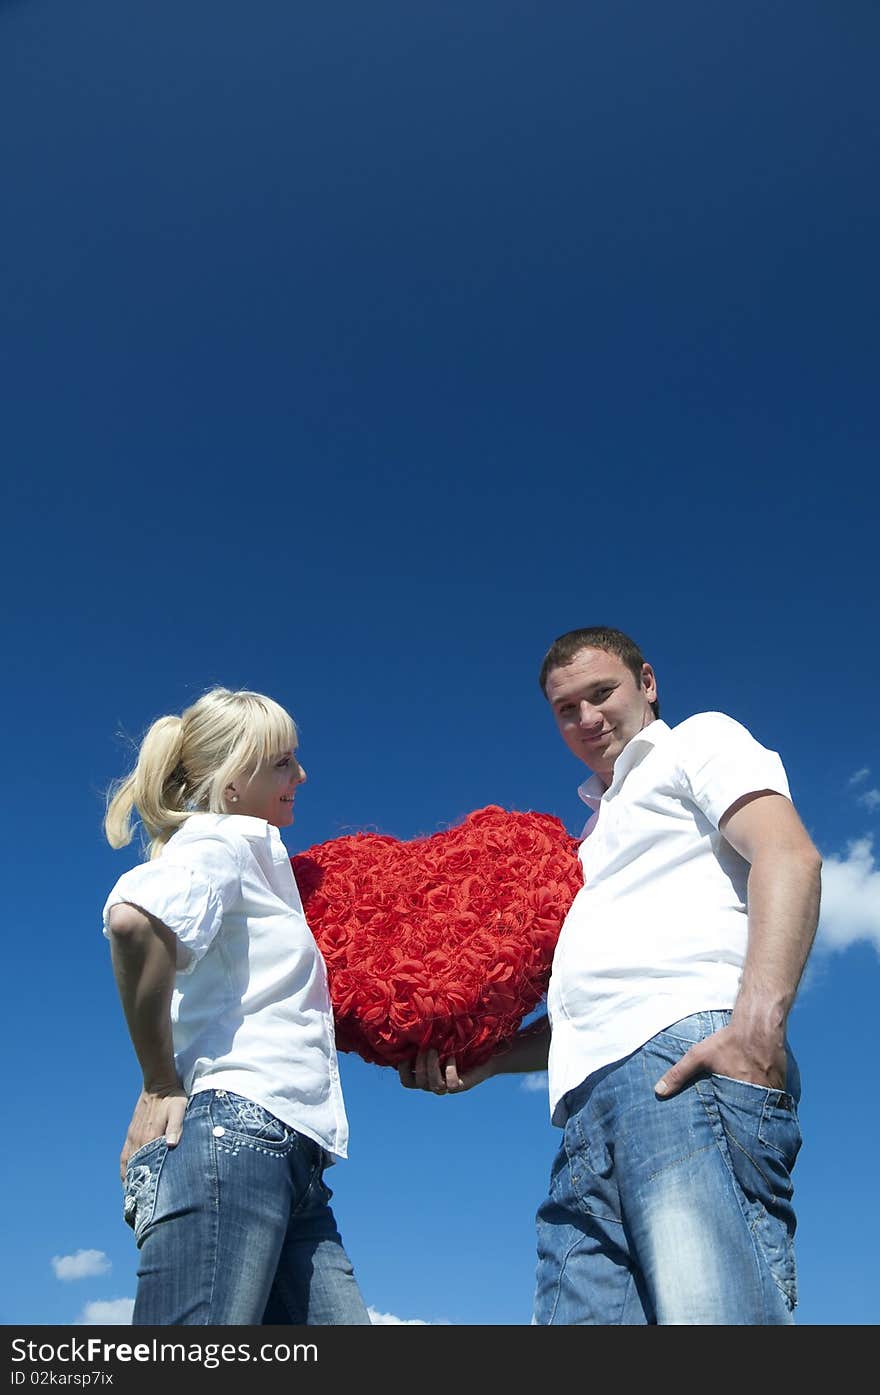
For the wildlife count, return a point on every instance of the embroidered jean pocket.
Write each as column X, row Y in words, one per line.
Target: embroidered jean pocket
column 238, row 1120
column 141, row 1185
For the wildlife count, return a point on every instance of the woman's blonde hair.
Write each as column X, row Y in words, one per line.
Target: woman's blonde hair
column 185, row 763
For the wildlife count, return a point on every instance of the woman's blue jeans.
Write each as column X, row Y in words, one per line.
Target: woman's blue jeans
column 673, row 1210
column 234, row 1226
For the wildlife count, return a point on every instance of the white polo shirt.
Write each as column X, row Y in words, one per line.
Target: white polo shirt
column 251, row 1010
column 660, row 927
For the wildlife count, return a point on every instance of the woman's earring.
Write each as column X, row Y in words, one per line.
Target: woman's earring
column 233, row 799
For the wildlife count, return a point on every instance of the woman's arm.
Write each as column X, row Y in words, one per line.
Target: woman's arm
column 144, row 956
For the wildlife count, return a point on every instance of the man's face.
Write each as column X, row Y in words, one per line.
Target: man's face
column 599, row 707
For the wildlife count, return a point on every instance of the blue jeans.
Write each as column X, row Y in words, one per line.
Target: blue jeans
column 234, row 1226
column 675, row 1210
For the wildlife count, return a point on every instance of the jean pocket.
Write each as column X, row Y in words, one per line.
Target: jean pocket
column 763, row 1139
column 780, row 1127
column 238, row 1120
column 141, row 1185
column 590, row 1161
column 771, row 1115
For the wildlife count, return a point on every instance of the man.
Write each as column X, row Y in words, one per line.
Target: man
column 673, row 978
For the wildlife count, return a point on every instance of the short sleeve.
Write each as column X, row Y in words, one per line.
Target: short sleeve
column 721, row 762
column 188, row 888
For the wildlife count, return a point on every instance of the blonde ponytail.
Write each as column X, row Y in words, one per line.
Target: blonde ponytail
column 185, row 763
column 156, row 788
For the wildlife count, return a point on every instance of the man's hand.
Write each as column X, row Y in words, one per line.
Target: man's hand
column 427, row 1073
column 157, row 1112
column 729, row 1052
column 527, row 1052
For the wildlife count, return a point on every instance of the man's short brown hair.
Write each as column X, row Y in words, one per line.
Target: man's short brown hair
column 569, row 645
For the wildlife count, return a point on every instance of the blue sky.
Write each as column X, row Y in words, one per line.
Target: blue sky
column 352, row 353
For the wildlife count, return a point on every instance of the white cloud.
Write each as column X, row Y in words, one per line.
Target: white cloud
column 389, row 1319
column 850, row 898
column 871, row 798
column 116, row 1312
column 85, row 1264
column 535, row 1080
column 860, row 775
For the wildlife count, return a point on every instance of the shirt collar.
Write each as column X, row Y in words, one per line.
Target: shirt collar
column 256, row 830
column 592, row 791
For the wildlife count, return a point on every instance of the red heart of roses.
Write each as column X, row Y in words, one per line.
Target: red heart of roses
column 445, row 941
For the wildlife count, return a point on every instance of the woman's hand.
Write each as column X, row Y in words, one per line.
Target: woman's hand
column 158, row 1112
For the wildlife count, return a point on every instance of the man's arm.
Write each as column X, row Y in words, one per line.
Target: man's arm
column 144, row 956
column 527, row 1052
column 783, row 909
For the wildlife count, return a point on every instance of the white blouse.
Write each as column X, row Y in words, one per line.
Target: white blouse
column 251, row 1008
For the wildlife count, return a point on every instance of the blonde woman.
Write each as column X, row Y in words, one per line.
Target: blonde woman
column 225, row 995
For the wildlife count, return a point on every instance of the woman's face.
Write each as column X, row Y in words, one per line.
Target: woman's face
column 269, row 792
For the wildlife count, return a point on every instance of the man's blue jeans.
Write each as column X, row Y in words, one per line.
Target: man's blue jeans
column 673, row 1210
column 234, row 1226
